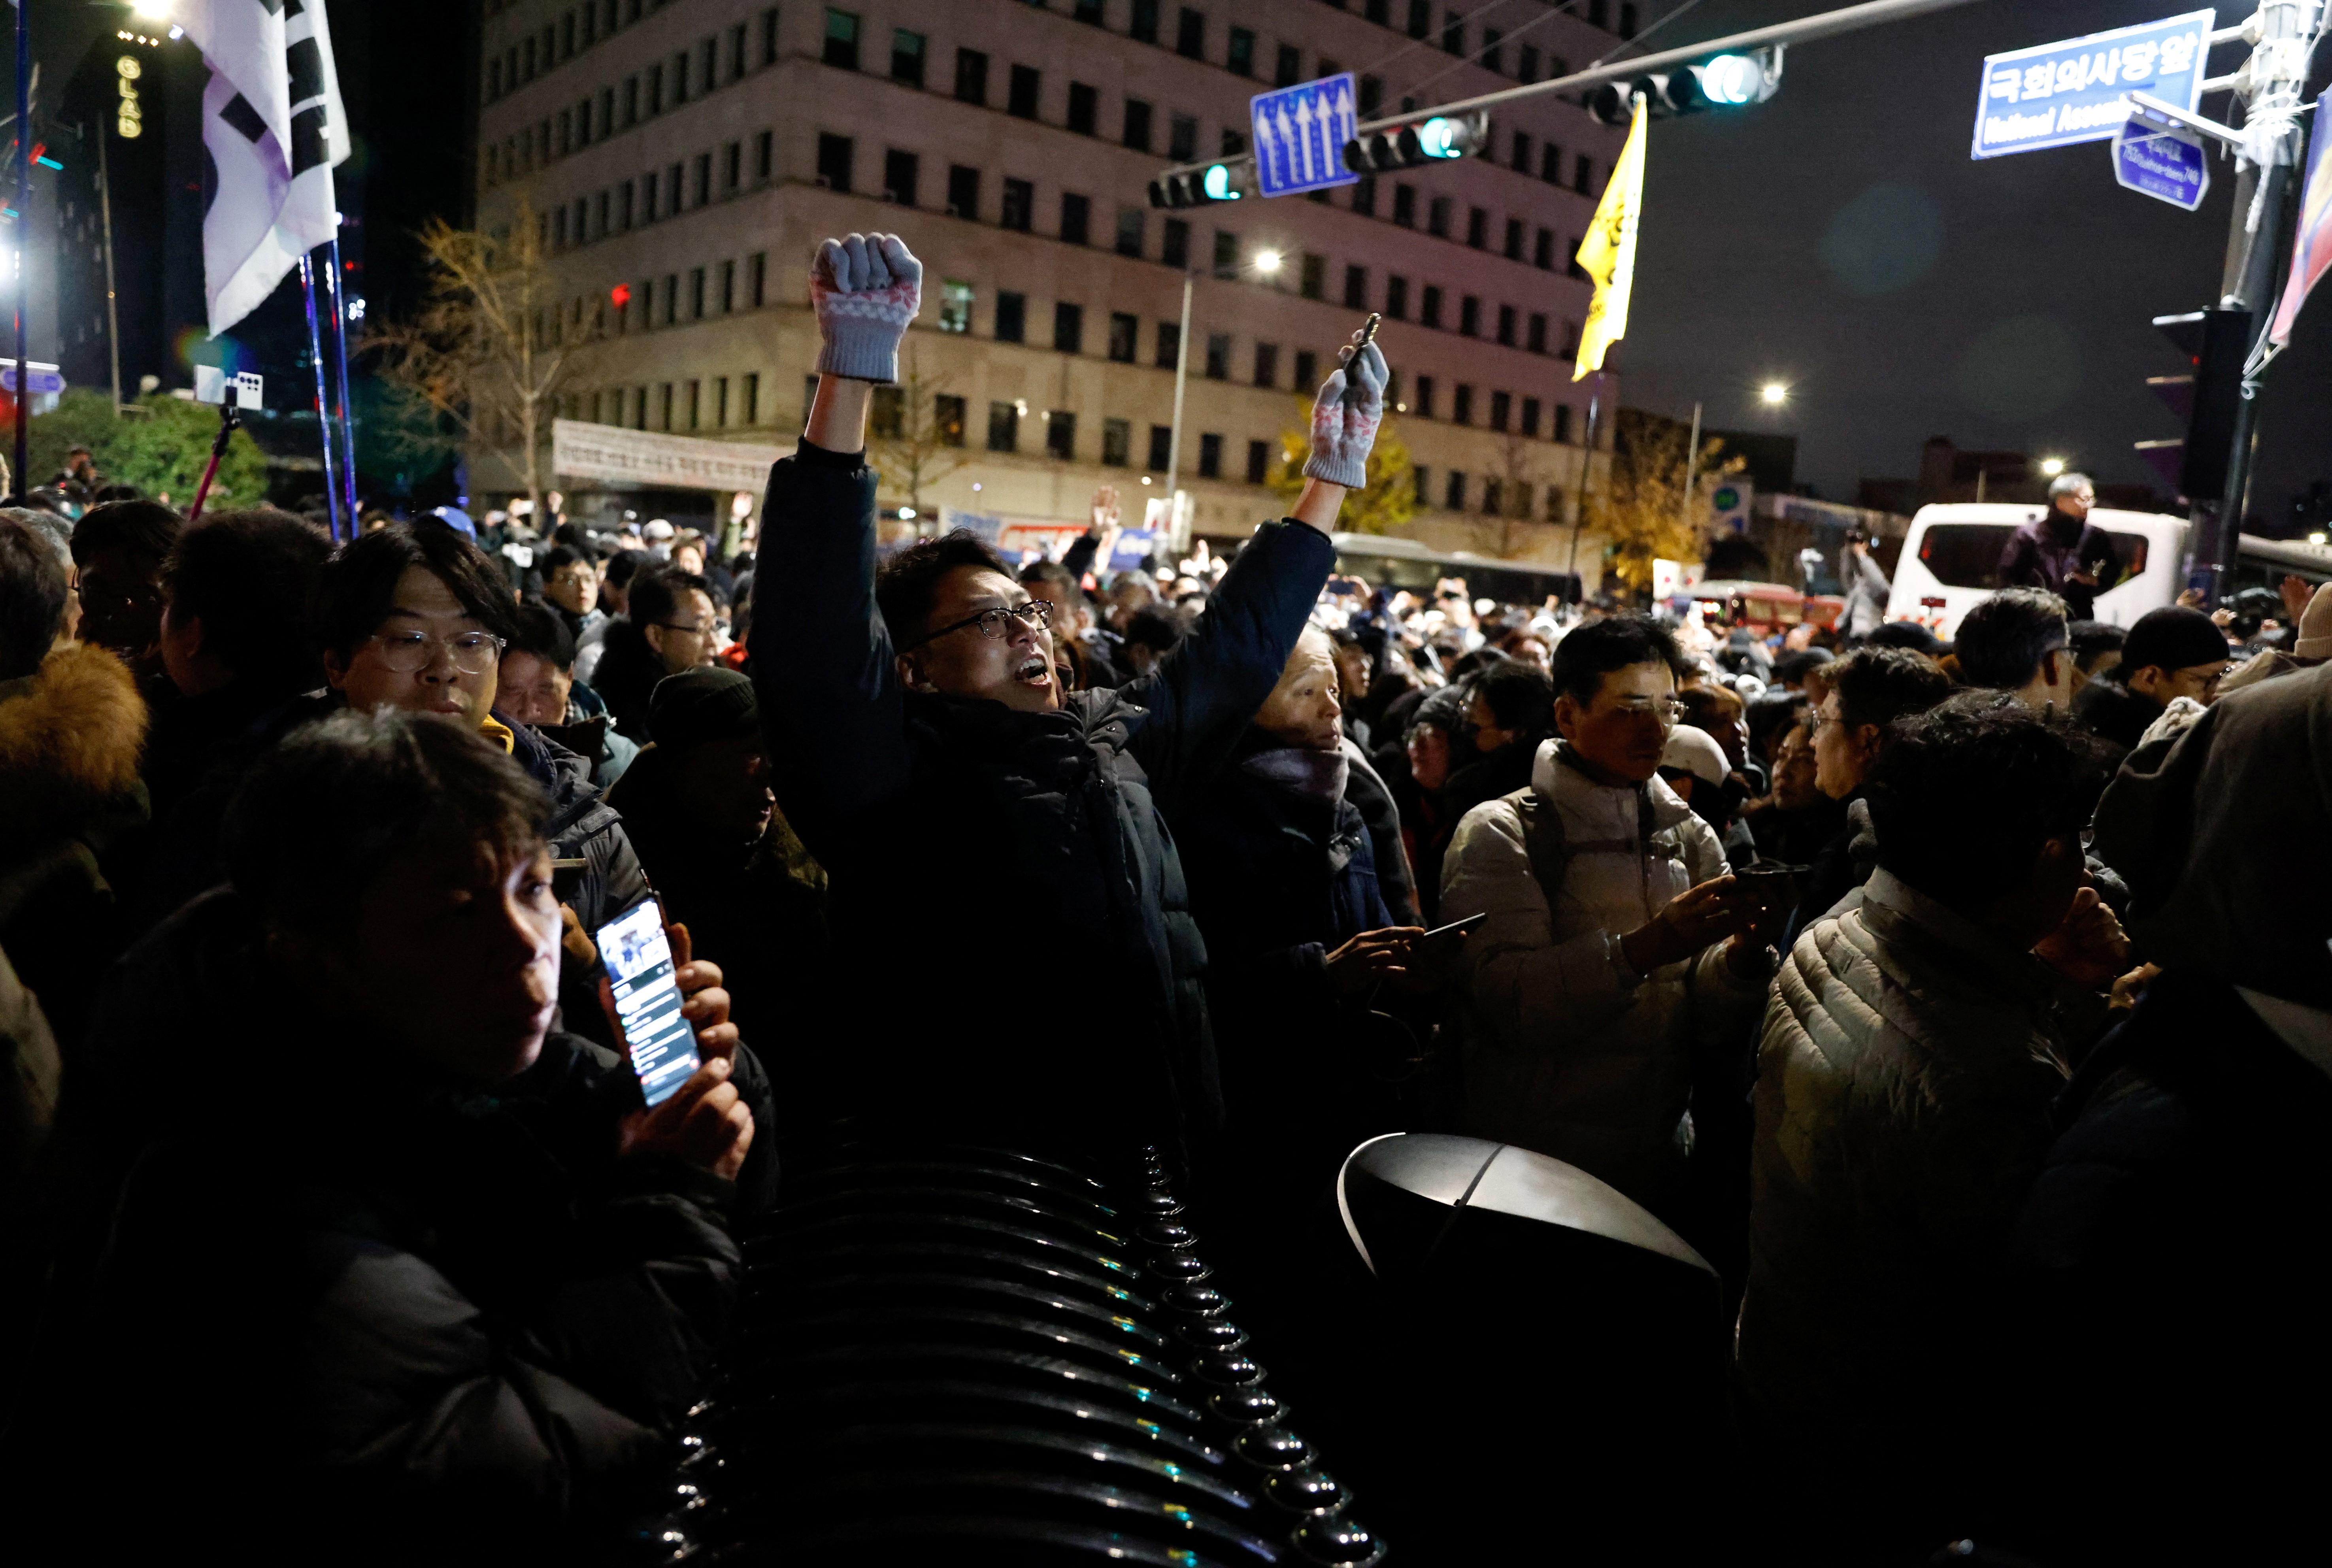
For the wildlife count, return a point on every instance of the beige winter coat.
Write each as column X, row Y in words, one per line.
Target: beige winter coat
column 1904, row 1080
column 1569, row 1050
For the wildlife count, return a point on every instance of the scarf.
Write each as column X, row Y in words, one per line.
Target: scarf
column 1314, row 775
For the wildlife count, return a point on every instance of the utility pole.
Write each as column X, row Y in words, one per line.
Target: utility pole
column 112, row 312
column 1691, row 467
column 1174, row 441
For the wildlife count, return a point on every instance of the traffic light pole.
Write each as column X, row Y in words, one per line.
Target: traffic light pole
column 1181, row 377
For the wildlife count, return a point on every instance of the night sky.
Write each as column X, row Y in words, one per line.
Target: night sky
column 1841, row 239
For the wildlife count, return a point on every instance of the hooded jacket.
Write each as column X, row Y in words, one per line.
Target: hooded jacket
column 979, row 854
column 71, row 810
column 1904, row 1082
column 1568, row 1049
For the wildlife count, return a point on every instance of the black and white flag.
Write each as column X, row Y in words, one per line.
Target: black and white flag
column 274, row 129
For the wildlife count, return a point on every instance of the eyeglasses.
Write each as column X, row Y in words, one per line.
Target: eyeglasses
column 1667, row 709
column 472, row 652
column 680, row 627
column 990, row 622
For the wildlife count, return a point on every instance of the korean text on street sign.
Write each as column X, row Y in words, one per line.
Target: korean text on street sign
column 2056, row 94
column 2167, row 165
column 1300, row 134
column 43, row 377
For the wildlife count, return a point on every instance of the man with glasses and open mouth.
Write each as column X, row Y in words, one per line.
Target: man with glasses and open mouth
column 988, row 838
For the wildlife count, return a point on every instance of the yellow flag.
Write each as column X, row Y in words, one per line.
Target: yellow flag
column 1608, row 253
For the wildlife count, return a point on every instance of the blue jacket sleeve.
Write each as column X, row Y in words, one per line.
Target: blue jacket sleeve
column 1202, row 694
column 830, row 699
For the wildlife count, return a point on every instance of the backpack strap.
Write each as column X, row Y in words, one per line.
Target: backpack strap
column 1543, row 841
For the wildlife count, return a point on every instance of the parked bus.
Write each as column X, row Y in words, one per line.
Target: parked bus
column 1952, row 554
column 1386, row 560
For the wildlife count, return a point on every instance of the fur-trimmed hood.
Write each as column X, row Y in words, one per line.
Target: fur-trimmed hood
column 73, row 729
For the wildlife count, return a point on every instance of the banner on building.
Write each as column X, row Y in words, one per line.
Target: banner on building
column 2311, row 247
column 580, row 450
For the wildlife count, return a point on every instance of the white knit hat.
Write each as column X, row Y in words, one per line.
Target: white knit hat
column 1696, row 753
column 2315, row 640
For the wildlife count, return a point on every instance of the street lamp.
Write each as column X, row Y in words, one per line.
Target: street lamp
column 1267, row 265
column 1773, row 394
column 1267, row 262
column 2053, row 466
column 151, row 10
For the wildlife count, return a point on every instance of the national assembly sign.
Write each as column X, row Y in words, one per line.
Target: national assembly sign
column 2057, row 95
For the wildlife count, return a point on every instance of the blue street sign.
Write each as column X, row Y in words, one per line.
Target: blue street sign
column 44, row 379
column 2056, row 94
column 1300, row 134
column 2167, row 165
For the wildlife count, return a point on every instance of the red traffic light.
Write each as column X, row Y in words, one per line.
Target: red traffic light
column 620, row 295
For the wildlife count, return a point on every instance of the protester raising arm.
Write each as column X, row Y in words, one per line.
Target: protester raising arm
column 1203, row 693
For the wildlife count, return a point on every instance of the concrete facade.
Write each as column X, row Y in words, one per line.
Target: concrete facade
column 1010, row 144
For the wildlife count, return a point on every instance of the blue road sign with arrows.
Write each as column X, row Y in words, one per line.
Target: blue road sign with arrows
column 1300, row 134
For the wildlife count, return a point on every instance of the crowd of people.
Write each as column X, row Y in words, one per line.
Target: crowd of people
column 1934, row 992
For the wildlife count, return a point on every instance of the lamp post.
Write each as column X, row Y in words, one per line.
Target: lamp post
column 1267, row 264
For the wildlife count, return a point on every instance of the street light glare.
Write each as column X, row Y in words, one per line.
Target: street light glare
column 2053, row 466
column 1266, row 262
column 1773, row 394
column 151, row 10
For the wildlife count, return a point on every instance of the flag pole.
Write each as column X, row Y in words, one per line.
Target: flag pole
column 23, row 204
column 323, row 406
column 341, row 369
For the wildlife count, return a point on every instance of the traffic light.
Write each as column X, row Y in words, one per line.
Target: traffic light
column 1721, row 81
column 2215, row 343
column 1432, row 140
column 1198, row 183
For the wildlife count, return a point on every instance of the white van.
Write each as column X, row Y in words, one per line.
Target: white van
column 1952, row 554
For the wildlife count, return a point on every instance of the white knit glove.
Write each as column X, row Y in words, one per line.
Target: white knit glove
column 1346, row 416
column 866, row 289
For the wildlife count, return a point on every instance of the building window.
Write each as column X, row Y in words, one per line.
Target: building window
column 1019, row 205
column 769, row 48
column 1453, row 31
column 1142, row 26
column 1453, row 491
column 1211, row 447
column 1176, row 250
column 1089, row 12
column 1181, row 138
column 1396, row 297
column 663, row 402
column 1061, row 435
column 1218, row 356
column 887, row 418
column 948, row 418
column 972, row 77
column 559, row 230
column 1507, row 325
column 963, row 192
column 1537, row 342
column 841, row 41
column 1571, row 267
column 756, row 271
column 1502, row 409
column 1425, row 398
column 1314, row 279
column 624, row 205
column 1307, row 369
column 1356, row 288
column 1004, row 428
column 1543, row 251
column 1423, row 477
column 1137, row 125
column 1130, row 221
column 1436, row 218
column 732, row 166
column 1530, row 419
column 728, row 289
column 899, row 172
column 1085, row 105
column 1116, row 442
column 1469, row 316
column 1258, row 462
column 671, row 300
column 1125, row 335
column 1550, row 164
column 1289, row 68
column 906, row 57
column 1461, row 405
column 1526, row 68
column 1364, row 196
column 1162, row 447
column 1494, row 51
column 1562, row 423
column 640, row 408
column 1240, row 58
column 1189, row 34
column 1020, row 100
column 1430, row 315
column 704, row 177
column 695, row 405
column 764, row 151
column 834, row 153
column 1077, row 219
column 1068, row 328
column 696, row 293
column 955, row 306
column 1011, row 317
column 1522, row 155
column 1266, row 364
column 1227, row 253
column 1169, row 346
column 1404, row 205
column 1513, row 239
column 1491, row 496
column 1582, row 175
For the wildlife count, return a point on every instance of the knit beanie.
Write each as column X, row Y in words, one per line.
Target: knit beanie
column 2173, row 638
column 708, row 703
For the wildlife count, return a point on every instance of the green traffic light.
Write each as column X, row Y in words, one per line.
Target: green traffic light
column 1217, row 183
column 1438, row 137
column 1730, row 79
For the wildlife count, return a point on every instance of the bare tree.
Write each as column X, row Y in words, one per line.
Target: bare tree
column 911, row 442
column 492, row 346
column 1518, row 484
column 1642, row 511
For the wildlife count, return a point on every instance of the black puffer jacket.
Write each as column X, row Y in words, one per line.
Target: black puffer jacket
column 979, row 854
column 2115, row 711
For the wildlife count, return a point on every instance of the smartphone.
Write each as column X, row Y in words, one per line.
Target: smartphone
column 1456, row 927
column 1369, row 328
column 647, row 1000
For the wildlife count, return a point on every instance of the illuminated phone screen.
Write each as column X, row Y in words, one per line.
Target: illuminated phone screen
column 647, row 1000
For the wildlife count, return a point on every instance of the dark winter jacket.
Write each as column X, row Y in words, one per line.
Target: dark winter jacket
column 1371, row 794
column 72, row 810
column 2176, row 1266
column 625, row 677
column 2047, row 552
column 196, row 758
column 2115, row 711
column 980, row 856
